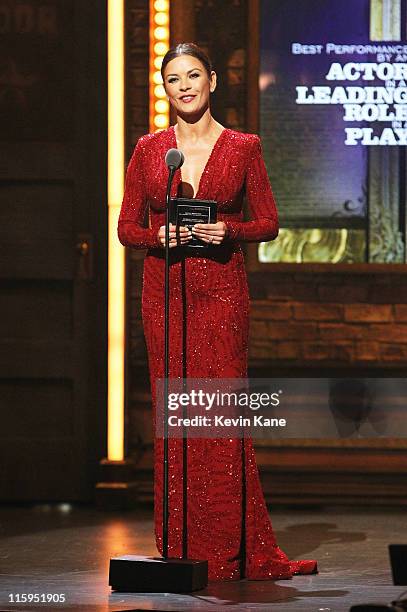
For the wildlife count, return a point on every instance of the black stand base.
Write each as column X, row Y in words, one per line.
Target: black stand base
column 134, row 574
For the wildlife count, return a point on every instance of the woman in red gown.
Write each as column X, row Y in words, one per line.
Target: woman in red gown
column 227, row 517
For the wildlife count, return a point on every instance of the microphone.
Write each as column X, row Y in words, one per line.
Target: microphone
column 174, row 158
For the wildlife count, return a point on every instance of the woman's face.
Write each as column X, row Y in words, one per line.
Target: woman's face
column 187, row 84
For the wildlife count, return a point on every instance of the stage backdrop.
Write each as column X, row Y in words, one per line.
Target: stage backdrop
column 305, row 320
column 333, row 119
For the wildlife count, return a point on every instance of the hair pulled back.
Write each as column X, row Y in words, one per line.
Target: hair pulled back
column 188, row 48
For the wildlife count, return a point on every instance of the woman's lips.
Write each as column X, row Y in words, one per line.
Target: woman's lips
column 187, row 99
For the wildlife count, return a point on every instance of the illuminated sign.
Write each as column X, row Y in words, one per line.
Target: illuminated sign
column 367, row 102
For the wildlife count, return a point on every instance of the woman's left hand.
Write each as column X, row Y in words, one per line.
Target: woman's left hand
column 212, row 233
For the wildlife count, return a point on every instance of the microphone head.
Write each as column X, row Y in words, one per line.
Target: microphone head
column 174, row 158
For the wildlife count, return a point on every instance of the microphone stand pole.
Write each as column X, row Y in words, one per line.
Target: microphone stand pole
column 166, row 358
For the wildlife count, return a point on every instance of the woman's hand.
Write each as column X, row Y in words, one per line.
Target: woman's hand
column 177, row 238
column 212, row 233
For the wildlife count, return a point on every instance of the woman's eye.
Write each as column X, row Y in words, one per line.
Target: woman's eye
column 174, row 78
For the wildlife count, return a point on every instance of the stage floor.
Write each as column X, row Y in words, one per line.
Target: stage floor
column 66, row 550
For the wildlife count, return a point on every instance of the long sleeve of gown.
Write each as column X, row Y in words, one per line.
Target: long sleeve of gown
column 131, row 230
column 263, row 224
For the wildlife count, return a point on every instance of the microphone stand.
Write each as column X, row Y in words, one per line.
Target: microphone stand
column 138, row 574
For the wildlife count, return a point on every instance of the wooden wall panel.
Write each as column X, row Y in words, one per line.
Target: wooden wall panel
column 52, row 295
column 37, row 230
column 41, row 408
column 36, row 50
column 36, row 311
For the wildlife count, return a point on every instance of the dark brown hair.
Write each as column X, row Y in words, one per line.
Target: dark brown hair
column 187, row 49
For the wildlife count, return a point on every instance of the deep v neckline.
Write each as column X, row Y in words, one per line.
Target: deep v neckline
column 207, row 165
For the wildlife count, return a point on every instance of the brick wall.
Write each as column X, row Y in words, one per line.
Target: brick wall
column 339, row 319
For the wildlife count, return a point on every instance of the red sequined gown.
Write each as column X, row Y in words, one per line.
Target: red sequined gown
column 228, row 522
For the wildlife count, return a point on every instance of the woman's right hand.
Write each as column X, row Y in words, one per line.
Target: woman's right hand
column 177, row 237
